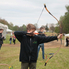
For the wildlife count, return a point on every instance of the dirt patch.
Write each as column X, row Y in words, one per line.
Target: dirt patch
column 52, row 44
column 11, row 45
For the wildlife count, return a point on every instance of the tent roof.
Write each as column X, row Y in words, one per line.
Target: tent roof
column 2, row 25
column 66, row 34
column 8, row 30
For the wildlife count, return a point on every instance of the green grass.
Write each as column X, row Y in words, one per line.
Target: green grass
column 10, row 55
column 50, row 34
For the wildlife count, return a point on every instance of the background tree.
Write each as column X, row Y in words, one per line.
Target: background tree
column 52, row 28
column 57, row 29
column 46, row 27
column 16, row 28
column 24, row 28
column 61, row 24
column 66, row 21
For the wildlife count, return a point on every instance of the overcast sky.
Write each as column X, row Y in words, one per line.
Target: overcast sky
column 21, row 12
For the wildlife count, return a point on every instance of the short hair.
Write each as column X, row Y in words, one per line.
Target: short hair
column 42, row 28
column 30, row 27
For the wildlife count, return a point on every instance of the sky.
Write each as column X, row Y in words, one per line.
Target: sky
column 21, row 12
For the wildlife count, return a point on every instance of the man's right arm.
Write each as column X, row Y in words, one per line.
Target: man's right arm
column 19, row 35
column 1, row 38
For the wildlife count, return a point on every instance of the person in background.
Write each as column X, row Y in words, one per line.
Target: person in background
column 10, row 39
column 1, row 38
column 29, row 44
column 66, row 41
column 41, row 45
column 14, row 39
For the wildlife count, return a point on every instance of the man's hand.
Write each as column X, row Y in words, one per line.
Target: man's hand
column 59, row 36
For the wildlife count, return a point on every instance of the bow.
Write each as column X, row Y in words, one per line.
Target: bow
column 60, row 32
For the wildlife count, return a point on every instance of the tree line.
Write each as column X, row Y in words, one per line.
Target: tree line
column 12, row 27
column 64, row 22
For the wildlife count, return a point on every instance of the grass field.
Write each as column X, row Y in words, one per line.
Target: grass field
column 10, row 55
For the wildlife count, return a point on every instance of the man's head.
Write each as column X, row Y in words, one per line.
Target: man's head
column 1, row 30
column 42, row 29
column 31, row 28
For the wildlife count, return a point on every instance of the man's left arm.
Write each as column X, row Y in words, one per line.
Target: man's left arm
column 44, row 39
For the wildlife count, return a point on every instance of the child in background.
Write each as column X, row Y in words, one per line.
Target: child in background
column 10, row 39
column 14, row 39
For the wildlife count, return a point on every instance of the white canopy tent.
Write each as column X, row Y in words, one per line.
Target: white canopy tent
column 66, row 35
column 6, row 30
column 4, row 27
column 9, row 31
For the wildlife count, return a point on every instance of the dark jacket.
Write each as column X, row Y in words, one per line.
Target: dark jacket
column 41, row 34
column 10, row 39
column 66, row 39
column 29, row 45
column 1, row 38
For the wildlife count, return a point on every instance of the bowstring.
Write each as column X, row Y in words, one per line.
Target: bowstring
column 40, row 15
